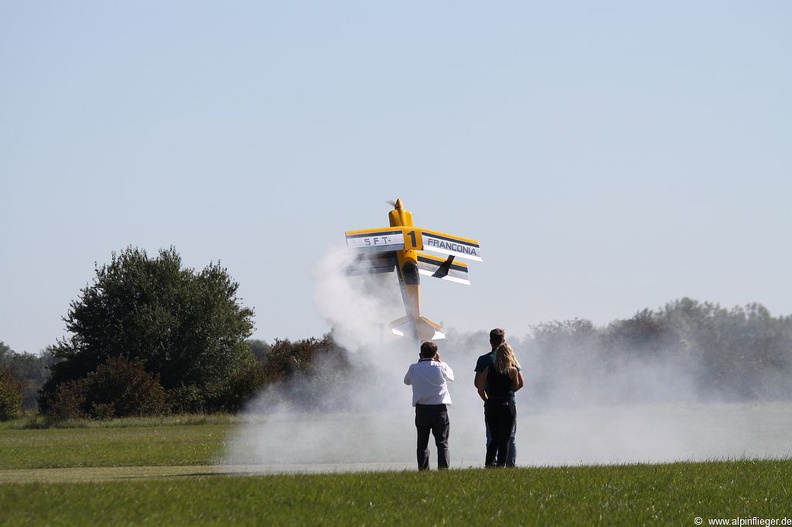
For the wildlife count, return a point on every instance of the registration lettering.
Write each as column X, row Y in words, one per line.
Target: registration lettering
column 376, row 241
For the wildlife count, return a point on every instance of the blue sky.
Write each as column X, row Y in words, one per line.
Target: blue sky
column 609, row 156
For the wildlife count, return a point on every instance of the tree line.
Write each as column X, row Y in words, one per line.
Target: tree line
column 687, row 351
column 150, row 337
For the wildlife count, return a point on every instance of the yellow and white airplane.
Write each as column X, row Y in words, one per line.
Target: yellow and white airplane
column 397, row 247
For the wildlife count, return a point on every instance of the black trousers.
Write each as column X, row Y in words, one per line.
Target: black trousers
column 432, row 418
column 500, row 416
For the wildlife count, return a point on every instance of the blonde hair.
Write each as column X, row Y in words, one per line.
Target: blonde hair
column 505, row 359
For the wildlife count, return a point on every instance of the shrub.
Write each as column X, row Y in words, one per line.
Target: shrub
column 118, row 388
column 10, row 395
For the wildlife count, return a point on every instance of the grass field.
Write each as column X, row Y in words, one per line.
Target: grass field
column 137, row 472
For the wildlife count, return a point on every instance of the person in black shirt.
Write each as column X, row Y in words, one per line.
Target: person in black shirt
column 502, row 378
column 496, row 338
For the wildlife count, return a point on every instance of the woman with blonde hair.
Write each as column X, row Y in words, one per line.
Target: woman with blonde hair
column 506, row 361
column 503, row 378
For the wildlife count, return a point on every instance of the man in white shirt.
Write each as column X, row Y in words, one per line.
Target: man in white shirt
column 429, row 378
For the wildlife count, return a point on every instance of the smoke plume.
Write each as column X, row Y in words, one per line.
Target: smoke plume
column 578, row 406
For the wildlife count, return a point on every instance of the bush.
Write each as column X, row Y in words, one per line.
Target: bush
column 67, row 402
column 118, row 388
column 10, row 395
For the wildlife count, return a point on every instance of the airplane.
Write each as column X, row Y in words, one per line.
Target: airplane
column 397, row 247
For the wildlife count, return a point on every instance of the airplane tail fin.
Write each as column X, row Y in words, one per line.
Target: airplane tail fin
column 426, row 329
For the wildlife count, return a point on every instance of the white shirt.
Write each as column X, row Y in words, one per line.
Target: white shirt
column 429, row 382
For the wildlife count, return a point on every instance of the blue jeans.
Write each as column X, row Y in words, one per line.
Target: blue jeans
column 511, row 458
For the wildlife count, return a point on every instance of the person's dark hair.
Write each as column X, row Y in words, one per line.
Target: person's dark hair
column 428, row 349
column 497, row 337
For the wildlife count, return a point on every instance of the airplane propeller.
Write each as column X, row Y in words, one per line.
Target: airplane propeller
column 395, row 204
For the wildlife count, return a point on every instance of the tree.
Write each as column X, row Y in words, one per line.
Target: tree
column 30, row 370
column 259, row 348
column 187, row 328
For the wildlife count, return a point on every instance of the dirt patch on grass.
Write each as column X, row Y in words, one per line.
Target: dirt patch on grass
column 78, row 474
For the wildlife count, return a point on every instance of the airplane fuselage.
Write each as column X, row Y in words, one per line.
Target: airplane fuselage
column 407, row 263
column 400, row 246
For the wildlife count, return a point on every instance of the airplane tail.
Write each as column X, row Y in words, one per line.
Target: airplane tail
column 424, row 328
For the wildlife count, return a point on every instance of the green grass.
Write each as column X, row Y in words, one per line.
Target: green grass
column 122, row 442
column 622, row 495
column 666, row 494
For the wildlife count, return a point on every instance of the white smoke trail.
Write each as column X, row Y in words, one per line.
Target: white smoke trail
column 636, row 412
column 366, row 419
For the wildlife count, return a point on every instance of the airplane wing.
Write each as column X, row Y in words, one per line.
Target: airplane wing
column 444, row 268
column 395, row 239
column 376, row 240
column 372, row 263
column 440, row 242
